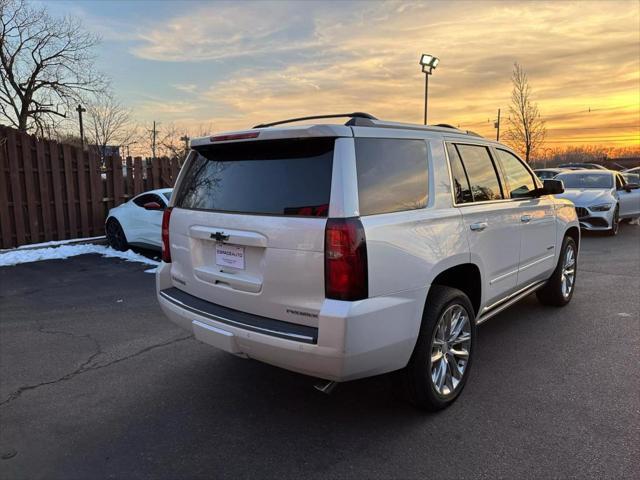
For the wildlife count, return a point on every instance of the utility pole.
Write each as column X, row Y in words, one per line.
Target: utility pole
column 185, row 139
column 153, row 144
column 80, row 110
column 497, row 126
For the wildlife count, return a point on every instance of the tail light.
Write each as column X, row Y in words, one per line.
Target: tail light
column 166, row 250
column 345, row 260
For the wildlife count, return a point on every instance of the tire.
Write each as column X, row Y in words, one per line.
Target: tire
column 431, row 384
column 115, row 235
column 615, row 225
column 559, row 289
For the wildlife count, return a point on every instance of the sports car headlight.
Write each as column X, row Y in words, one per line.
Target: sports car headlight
column 603, row 207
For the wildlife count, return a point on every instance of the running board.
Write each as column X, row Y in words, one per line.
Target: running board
column 506, row 302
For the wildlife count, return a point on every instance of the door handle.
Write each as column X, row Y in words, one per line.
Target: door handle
column 478, row 227
column 525, row 218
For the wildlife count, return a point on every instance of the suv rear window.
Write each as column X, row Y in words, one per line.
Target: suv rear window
column 289, row 177
column 392, row 174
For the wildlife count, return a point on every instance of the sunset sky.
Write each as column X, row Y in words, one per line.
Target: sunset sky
column 235, row 64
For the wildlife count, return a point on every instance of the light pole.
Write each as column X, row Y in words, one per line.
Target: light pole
column 429, row 63
column 128, row 145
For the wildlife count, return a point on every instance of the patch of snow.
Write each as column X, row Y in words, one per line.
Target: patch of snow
column 16, row 256
column 53, row 243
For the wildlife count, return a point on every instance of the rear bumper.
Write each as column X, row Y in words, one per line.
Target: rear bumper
column 353, row 339
column 235, row 318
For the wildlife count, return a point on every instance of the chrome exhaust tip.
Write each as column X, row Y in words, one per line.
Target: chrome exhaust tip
column 326, row 387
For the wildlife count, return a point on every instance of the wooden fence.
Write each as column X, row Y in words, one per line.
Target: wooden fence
column 54, row 191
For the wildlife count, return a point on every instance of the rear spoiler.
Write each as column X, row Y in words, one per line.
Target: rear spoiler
column 302, row 131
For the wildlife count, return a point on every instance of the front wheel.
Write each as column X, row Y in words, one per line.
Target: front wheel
column 439, row 366
column 615, row 223
column 559, row 288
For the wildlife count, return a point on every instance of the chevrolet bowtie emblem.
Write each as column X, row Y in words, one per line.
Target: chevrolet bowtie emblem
column 219, row 237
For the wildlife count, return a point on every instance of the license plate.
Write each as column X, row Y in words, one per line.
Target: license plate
column 230, row 256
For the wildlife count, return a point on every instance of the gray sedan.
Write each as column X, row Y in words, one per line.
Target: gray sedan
column 601, row 198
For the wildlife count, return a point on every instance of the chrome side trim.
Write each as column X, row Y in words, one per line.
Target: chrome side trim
column 289, row 335
column 535, row 262
column 506, row 302
column 502, row 277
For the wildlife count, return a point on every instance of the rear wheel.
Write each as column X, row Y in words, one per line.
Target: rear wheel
column 559, row 288
column 115, row 235
column 615, row 223
column 439, row 366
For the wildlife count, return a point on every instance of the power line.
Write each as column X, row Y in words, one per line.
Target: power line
column 555, row 115
column 603, row 137
column 572, row 140
column 611, row 127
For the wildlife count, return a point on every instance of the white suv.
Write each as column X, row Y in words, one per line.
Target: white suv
column 345, row 251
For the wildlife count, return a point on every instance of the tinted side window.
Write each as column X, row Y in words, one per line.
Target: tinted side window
column 481, row 172
column 519, row 180
column 146, row 198
column 461, row 188
column 392, row 174
column 619, row 182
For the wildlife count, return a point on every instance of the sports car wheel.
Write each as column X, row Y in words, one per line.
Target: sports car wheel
column 115, row 235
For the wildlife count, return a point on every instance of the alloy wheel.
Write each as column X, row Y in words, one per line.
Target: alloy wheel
column 568, row 271
column 615, row 223
column 450, row 346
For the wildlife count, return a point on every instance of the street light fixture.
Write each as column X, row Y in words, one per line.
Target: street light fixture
column 429, row 63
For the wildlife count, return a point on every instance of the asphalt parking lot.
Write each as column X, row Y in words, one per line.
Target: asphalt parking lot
column 96, row 383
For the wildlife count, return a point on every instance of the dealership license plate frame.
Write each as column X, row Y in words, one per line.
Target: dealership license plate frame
column 229, row 255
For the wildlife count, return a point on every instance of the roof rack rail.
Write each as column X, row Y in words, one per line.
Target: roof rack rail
column 469, row 132
column 353, row 116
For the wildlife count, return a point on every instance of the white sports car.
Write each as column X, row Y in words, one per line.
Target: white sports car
column 602, row 198
column 138, row 222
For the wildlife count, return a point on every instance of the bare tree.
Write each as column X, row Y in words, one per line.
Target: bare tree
column 526, row 131
column 109, row 123
column 46, row 63
column 174, row 141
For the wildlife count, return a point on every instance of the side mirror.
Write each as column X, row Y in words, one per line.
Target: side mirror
column 152, row 206
column 631, row 186
column 552, row 187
